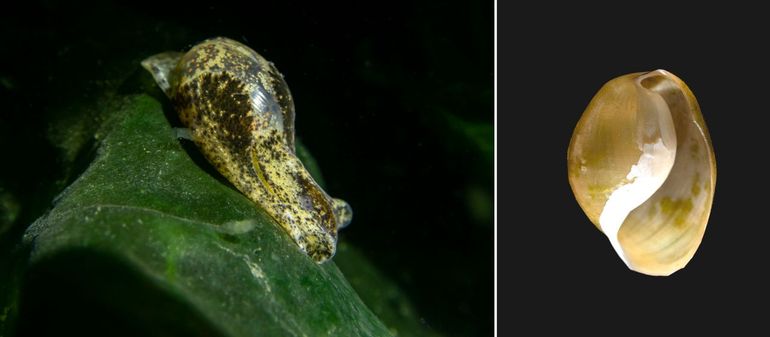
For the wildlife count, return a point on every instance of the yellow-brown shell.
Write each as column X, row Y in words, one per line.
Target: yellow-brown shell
column 642, row 168
column 240, row 114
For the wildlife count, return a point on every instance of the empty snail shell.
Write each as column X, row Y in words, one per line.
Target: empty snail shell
column 240, row 114
column 642, row 168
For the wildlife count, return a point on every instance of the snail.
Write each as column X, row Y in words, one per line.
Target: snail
column 240, row 114
column 642, row 168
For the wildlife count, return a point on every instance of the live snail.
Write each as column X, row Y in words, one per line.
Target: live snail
column 642, row 167
column 240, row 114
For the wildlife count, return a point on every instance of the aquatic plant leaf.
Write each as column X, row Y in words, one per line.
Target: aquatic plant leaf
column 148, row 236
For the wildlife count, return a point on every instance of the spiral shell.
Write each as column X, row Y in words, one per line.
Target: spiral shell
column 240, row 114
column 642, row 167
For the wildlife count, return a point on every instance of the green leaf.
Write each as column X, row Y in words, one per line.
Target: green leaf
column 145, row 235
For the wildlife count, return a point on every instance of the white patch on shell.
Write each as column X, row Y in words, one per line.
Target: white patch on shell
column 644, row 178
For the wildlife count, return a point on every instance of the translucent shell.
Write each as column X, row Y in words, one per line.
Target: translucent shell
column 642, row 168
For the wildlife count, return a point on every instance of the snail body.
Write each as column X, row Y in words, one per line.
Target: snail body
column 240, row 114
column 642, row 168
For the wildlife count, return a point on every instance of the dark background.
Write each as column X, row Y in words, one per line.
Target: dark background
column 395, row 102
column 557, row 270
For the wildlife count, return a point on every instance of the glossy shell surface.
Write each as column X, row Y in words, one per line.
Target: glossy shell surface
column 642, row 167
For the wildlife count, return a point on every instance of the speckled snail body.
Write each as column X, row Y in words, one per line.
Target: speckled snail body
column 240, row 114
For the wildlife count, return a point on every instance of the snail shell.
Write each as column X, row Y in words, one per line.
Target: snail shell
column 240, row 114
column 642, row 168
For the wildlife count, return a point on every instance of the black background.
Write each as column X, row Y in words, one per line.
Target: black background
column 557, row 271
column 395, row 101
